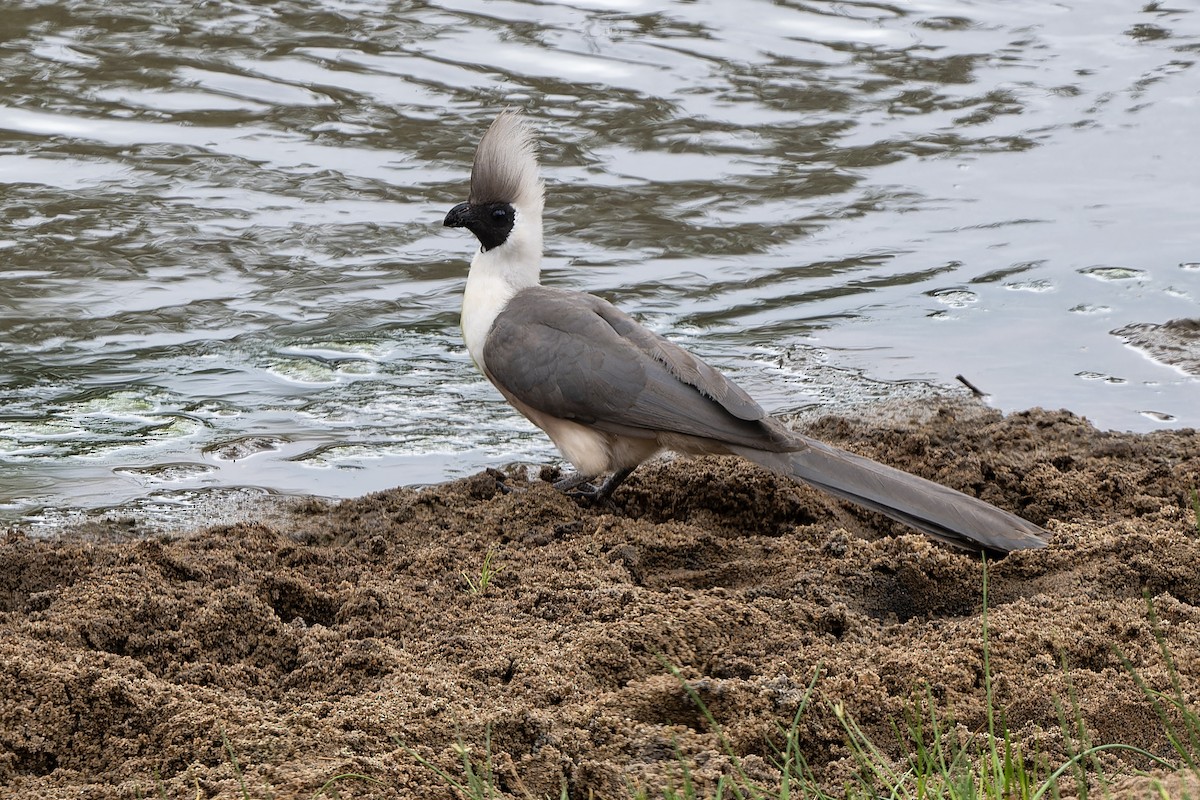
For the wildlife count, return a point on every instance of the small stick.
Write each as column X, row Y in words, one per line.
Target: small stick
column 974, row 389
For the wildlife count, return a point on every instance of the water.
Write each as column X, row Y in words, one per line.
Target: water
column 222, row 263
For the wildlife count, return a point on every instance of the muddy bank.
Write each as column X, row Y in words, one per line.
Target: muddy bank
column 1176, row 343
column 314, row 645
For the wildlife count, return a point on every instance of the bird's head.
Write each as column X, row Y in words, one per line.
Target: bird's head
column 506, row 190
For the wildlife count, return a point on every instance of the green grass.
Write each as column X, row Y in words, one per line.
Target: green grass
column 1180, row 721
column 478, row 781
column 328, row 789
column 487, row 573
column 989, row 765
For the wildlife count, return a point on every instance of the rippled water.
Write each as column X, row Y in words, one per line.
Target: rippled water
column 222, row 261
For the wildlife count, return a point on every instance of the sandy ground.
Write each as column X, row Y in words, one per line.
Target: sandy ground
column 292, row 651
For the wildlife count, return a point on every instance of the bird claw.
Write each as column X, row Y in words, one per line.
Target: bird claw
column 580, row 487
column 589, row 493
column 501, row 484
column 573, row 482
column 504, row 488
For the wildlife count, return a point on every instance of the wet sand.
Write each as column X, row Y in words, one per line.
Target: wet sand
column 137, row 664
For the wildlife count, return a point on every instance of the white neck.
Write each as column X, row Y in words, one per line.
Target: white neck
column 496, row 275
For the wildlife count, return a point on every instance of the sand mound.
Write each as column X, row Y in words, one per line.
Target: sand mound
column 315, row 647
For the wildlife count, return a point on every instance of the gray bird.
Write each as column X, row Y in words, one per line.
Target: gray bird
column 611, row 393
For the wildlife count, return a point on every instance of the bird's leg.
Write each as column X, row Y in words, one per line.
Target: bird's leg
column 616, row 479
column 574, row 481
column 580, row 486
column 502, row 485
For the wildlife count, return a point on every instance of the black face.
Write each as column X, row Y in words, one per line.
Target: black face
column 490, row 222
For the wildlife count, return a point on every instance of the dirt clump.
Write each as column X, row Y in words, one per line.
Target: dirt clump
column 1176, row 343
column 344, row 640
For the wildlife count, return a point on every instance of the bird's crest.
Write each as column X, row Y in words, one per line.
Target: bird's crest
column 506, row 167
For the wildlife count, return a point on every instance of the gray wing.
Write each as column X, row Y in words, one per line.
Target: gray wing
column 578, row 357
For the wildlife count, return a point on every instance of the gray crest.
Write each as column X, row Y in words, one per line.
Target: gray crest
column 506, row 168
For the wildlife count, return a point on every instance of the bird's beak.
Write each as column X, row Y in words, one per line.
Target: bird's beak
column 458, row 216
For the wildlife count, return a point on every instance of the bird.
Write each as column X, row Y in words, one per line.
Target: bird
column 610, row 393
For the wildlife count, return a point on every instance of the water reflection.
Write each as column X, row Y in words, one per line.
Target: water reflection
column 222, row 263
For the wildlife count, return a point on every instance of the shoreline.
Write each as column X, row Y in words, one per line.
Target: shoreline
column 311, row 643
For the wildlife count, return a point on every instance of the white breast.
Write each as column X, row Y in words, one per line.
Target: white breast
column 486, row 295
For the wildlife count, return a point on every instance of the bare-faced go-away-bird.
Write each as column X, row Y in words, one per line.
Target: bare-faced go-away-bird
column 611, row 393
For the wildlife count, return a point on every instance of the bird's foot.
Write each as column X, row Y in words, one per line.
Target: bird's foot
column 501, row 482
column 503, row 487
column 581, row 487
column 591, row 496
column 578, row 487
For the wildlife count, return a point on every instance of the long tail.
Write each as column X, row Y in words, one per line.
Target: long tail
column 935, row 510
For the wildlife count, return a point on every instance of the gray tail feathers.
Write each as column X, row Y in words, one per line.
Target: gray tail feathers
column 935, row 510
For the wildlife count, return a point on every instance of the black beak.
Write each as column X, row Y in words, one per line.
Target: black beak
column 458, row 216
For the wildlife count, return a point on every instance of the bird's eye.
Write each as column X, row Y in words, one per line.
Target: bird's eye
column 499, row 213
